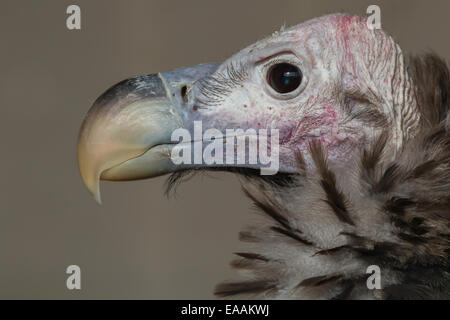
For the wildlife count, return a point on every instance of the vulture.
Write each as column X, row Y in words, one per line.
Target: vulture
column 363, row 174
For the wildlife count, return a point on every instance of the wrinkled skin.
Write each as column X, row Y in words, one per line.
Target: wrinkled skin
column 341, row 60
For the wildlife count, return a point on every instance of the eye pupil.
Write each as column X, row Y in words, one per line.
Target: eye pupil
column 284, row 77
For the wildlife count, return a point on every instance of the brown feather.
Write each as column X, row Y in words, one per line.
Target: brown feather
column 392, row 210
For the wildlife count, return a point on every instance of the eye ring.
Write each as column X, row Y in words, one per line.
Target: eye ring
column 284, row 77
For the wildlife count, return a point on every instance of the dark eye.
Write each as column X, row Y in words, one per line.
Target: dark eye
column 284, row 77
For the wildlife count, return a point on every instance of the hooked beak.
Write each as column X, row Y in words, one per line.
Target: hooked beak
column 126, row 134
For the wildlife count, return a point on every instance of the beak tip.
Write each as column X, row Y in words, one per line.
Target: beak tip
column 95, row 191
column 92, row 183
column 98, row 197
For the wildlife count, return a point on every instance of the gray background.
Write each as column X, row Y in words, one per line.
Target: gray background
column 139, row 244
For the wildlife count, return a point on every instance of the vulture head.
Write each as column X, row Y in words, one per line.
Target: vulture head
column 362, row 176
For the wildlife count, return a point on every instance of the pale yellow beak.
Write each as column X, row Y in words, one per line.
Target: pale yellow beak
column 124, row 124
column 126, row 134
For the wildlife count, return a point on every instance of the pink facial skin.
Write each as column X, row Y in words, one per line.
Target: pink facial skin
column 339, row 57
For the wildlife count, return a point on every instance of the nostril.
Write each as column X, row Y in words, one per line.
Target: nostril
column 184, row 93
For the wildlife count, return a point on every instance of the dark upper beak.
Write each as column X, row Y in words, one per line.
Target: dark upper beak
column 126, row 134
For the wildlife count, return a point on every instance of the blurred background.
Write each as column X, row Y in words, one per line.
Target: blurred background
column 138, row 244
